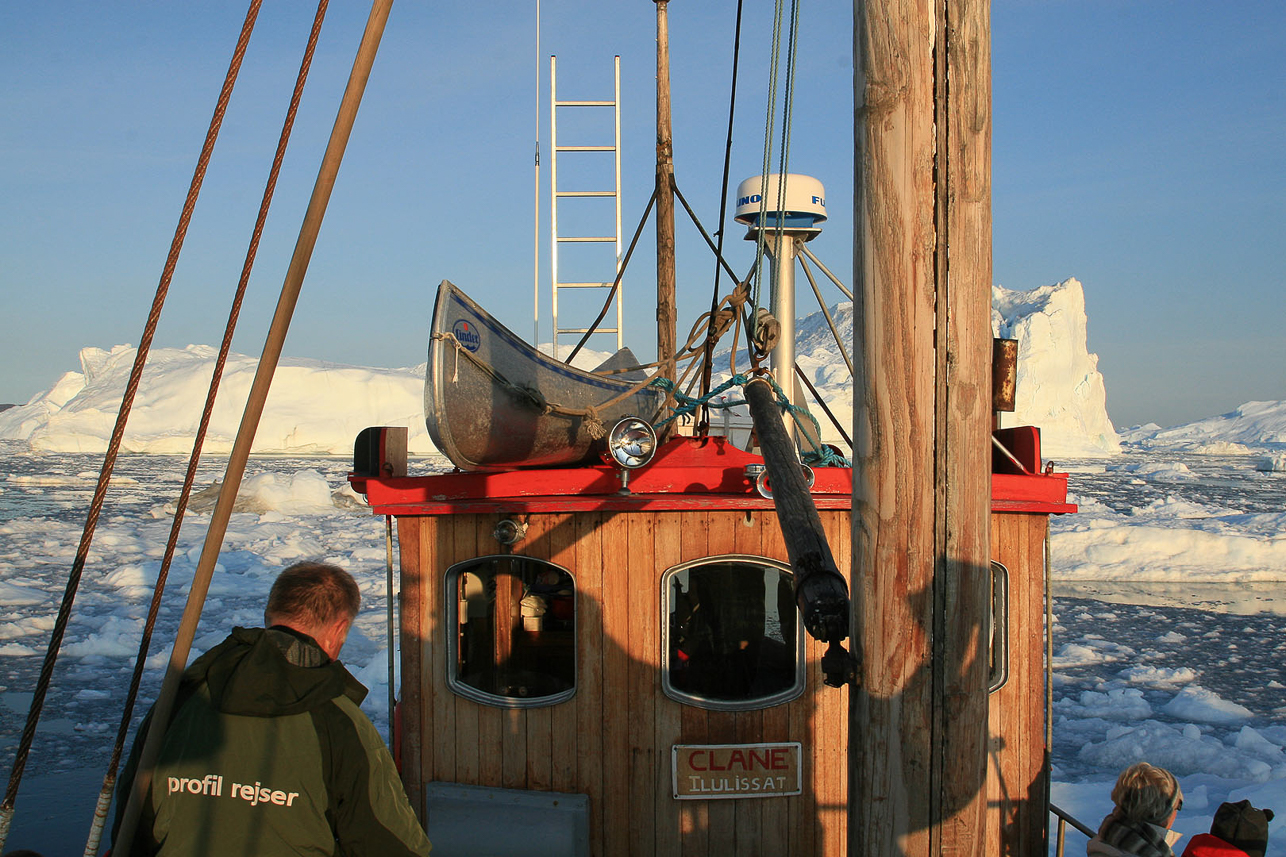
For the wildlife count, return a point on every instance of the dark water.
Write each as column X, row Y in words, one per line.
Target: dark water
column 1240, row 658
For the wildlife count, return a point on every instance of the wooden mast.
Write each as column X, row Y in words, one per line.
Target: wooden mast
column 921, row 488
column 666, row 314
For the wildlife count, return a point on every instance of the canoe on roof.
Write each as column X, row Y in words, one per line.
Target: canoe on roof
column 493, row 402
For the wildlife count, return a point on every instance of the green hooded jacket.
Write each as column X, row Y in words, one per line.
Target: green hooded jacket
column 268, row 754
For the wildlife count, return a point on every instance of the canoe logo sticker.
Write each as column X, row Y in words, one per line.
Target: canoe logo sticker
column 467, row 334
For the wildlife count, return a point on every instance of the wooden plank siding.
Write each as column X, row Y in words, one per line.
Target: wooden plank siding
column 612, row 741
column 588, row 572
column 674, row 819
column 694, row 540
column 417, row 719
column 561, row 546
column 469, row 716
column 642, row 640
column 1016, row 779
column 614, row 597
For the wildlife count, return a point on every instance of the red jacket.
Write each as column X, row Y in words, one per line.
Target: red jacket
column 1209, row 845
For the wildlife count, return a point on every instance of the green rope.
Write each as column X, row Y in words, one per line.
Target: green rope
column 822, row 455
column 688, row 405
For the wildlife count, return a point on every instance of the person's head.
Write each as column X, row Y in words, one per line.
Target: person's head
column 1244, row 826
column 316, row 599
column 1148, row 794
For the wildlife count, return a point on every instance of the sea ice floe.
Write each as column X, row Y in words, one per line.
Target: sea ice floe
column 1272, row 463
column 1151, row 675
column 117, row 636
column 1196, row 798
column 1221, row 447
column 1162, row 471
column 10, row 630
column 1090, row 651
column 1124, row 703
column 1254, row 742
column 1204, row 706
column 13, row 594
column 92, row 693
column 132, row 576
column 1181, row 750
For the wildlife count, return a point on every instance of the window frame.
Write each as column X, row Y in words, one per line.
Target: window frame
column 790, row 694
column 451, row 600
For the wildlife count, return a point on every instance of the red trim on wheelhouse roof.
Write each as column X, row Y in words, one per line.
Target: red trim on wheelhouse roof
column 687, row 473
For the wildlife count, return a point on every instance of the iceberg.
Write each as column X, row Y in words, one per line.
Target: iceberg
column 317, row 408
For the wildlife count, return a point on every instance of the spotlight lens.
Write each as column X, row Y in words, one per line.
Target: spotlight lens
column 631, row 443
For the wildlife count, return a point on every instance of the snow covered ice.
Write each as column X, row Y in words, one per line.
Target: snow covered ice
column 1168, row 640
column 317, row 408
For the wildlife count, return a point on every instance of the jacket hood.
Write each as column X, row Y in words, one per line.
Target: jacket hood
column 249, row 674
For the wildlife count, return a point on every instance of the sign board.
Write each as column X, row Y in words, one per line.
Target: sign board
column 711, row 771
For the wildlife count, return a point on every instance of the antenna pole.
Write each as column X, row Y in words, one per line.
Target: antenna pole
column 535, row 268
column 666, row 314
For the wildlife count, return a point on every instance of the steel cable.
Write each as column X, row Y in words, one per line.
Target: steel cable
column 109, row 781
column 235, row 469
column 118, row 431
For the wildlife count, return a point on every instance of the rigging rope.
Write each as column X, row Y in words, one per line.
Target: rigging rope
column 787, row 112
column 109, row 781
column 118, row 432
column 769, row 124
column 706, row 371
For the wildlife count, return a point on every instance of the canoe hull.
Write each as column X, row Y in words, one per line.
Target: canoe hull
column 492, row 402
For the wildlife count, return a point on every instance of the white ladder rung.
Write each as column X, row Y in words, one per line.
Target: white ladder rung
column 556, row 196
column 586, row 330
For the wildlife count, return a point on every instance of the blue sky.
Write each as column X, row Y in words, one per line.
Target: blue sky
column 1137, row 147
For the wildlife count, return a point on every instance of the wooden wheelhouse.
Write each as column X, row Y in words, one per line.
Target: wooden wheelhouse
column 616, row 745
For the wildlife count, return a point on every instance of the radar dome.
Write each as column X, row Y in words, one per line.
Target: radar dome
column 803, row 204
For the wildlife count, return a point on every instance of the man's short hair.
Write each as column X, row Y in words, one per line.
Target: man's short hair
column 313, row 594
column 1147, row 793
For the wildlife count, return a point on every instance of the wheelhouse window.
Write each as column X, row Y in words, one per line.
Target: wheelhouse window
column 511, row 631
column 732, row 639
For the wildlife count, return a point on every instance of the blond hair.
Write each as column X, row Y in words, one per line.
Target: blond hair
column 1147, row 793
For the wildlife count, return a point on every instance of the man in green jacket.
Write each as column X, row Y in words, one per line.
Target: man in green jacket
column 267, row 752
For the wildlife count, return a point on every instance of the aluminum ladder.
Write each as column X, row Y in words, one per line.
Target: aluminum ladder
column 558, row 240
